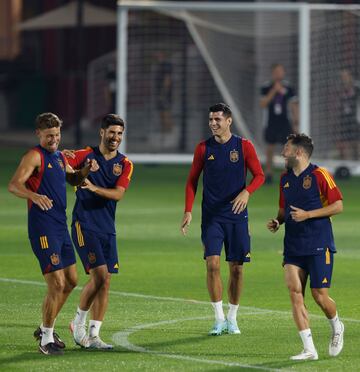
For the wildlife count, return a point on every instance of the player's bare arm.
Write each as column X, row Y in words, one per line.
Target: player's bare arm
column 186, row 222
column 77, row 177
column 300, row 215
column 116, row 193
column 273, row 225
column 17, row 185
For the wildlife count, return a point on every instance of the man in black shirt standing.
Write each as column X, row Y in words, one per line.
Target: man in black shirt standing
column 280, row 101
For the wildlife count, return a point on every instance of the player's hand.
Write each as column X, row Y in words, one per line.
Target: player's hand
column 240, row 202
column 186, row 222
column 94, row 165
column 298, row 215
column 273, row 225
column 42, row 201
column 87, row 185
column 278, row 87
column 69, row 153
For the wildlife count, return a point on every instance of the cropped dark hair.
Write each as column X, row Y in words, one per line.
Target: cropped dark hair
column 303, row 141
column 111, row 119
column 221, row 107
column 47, row 120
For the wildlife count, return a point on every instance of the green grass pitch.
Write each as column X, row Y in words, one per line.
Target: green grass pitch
column 159, row 314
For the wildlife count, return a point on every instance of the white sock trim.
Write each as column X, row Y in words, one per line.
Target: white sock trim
column 94, row 327
column 80, row 317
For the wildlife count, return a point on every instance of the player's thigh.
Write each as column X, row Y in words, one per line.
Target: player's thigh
column 88, row 245
column 48, row 249
column 320, row 269
column 212, row 237
column 295, row 273
column 237, row 242
column 110, row 253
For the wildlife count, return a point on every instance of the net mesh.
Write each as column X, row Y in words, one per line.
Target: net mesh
column 181, row 62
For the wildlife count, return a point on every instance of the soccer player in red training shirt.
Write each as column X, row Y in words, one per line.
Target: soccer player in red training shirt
column 93, row 226
column 224, row 160
column 308, row 198
column 40, row 178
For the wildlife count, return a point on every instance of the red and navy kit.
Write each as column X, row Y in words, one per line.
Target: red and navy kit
column 48, row 229
column 224, row 168
column 93, row 223
column 314, row 188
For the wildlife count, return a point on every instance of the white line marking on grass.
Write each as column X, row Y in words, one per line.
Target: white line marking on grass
column 177, row 299
column 122, row 339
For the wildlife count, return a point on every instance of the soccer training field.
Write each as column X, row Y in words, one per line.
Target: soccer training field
column 159, row 314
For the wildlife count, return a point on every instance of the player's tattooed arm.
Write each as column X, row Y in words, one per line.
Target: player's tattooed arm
column 77, row 177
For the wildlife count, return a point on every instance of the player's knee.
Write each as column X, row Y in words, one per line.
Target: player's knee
column 213, row 267
column 71, row 283
column 236, row 271
column 296, row 295
column 319, row 297
column 100, row 280
column 58, row 285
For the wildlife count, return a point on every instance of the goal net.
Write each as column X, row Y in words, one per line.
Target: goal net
column 175, row 59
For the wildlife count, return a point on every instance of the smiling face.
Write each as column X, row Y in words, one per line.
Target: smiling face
column 111, row 137
column 49, row 138
column 219, row 124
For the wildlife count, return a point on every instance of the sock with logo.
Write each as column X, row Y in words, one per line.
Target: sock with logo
column 335, row 324
column 306, row 338
column 80, row 317
column 47, row 335
column 94, row 328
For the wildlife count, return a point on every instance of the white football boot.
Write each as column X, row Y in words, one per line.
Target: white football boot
column 306, row 355
column 337, row 342
column 79, row 334
column 97, row 343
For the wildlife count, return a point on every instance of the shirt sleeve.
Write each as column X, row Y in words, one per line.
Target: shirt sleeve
column 329, row 192
column 193, row 178
column 80, row 156
column 253, row 164
column 125, row 177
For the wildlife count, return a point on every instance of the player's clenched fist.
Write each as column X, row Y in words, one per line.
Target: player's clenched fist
column 273, row 225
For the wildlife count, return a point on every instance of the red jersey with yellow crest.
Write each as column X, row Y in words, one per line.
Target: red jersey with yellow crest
column 314, row 188
column 94, row 212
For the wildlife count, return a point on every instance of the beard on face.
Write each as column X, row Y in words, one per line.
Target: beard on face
column 291, row 162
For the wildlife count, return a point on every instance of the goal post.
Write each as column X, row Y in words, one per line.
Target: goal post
column 221, row 51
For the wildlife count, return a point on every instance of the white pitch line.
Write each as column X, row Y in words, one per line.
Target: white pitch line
column 176, row 299
column 122, row 339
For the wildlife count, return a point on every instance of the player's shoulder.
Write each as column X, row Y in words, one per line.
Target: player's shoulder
column 85, row 151
column 323, row 173
column 32, row 154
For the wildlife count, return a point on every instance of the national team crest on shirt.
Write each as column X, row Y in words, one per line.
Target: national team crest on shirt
column 307, row 182
column 61, row 164
column 234, row 156
column 117, row 169
column 92, row 257
column 55, row 259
